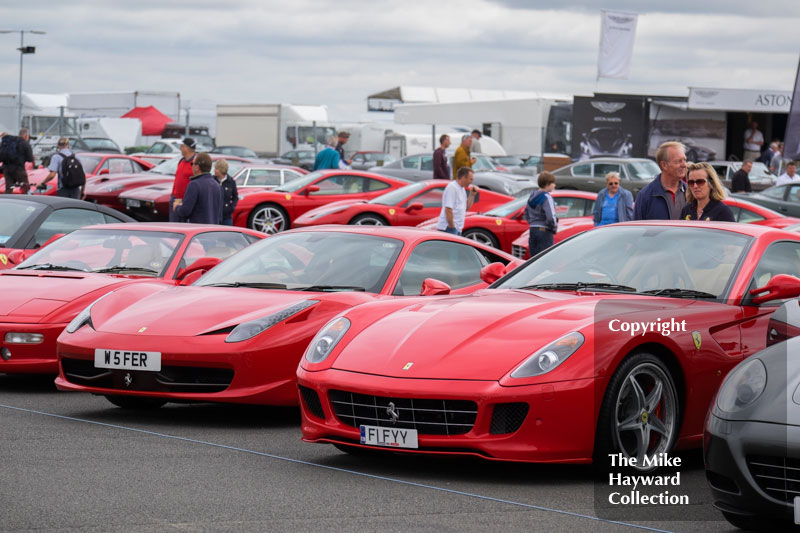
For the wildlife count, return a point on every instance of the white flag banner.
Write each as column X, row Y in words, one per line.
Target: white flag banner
column 617, row 33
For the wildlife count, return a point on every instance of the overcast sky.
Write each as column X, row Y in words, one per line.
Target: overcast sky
column 338, row 52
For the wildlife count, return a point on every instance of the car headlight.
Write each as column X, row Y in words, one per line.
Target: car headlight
column 546, row 359
column 326, row 340
column 248, row 330
column 24, row 338
column 743, row 386
column 84, row 317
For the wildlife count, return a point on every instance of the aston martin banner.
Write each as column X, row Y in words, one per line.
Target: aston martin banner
column 791, row 140
column 617, row 34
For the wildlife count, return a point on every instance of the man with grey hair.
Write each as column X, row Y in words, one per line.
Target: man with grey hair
column 55, row 169
column 14, row 165
column 328, row 157
column 462, row 157
column 664, row 197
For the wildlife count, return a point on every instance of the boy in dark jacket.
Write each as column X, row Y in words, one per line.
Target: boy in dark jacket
column 541, row 215
column 230, row 194
column 202, row 201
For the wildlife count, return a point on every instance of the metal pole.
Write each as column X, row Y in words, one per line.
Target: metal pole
column 433, row 136
column 314, row 134
column 19, row 95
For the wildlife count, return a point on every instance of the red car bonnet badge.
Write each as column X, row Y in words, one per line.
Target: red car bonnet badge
column 408, row 365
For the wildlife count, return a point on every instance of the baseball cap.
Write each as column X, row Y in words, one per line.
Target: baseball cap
column 188, row 141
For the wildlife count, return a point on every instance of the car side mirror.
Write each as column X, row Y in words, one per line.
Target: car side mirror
column 434, row 287
column 492, row 272
column 52, row 239
column 780, row 287
column 311, row 188
column 203, row 265
column 416, row 206
column 191, row 277
column 784, row 323
column 16, row 257
column 104, row 171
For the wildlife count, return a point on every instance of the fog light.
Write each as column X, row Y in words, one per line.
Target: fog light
column 24, row 338
column 5, row 353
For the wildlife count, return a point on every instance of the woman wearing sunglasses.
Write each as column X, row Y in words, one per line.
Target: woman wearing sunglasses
column 614, row 204
column 704, row 195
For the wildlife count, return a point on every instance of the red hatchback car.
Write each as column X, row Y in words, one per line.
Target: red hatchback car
column 48, row 290
column 276, row 210
column 501, row 225
column 613, row 342
column 238, row 333
column 407, row 206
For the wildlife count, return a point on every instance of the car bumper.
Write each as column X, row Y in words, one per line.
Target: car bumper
column 201, row 368
column 733, row 453
column 551, row 430
column 30, row 358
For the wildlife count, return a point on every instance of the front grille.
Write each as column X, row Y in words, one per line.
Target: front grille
column 508, row 417
column 518, row 251
column 311, row 401
column 144, row 213
column 168, row 379
column 777, row 476
column 428, row 417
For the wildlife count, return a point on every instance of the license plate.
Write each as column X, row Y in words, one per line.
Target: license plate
column 132, row 203
column 389, row 437
column 127, row 360
column 797, row 509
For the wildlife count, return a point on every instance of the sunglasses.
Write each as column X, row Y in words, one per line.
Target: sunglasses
column 699, row 183
column 613, row 183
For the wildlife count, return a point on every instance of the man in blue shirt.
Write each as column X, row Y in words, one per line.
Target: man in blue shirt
column 328, row 157
column 55, row 170
column 665, row 196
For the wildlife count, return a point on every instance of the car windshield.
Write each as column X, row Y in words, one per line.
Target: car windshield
column 646, row 259
column 510, row 160
column 396, row 196
column 312, row 260
column 642, row 170
column 507, row 208
column 759, row 171
column 483, row 163
column 532, row 161
column 167, row 167
column 15, row 216
column 101, row 144
column 299, row 183
column 378, row 156
column 145, row 253
column 88, row 162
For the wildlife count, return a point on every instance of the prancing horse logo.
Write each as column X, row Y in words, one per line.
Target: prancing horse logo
column 393, row 412
column 128, row 379
column 141, row 329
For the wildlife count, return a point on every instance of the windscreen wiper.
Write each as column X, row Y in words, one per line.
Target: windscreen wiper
column 119, row 268
column 680, row 293
column 50, row 266
column 580, row 286
column 325, row 288
column 248, row 284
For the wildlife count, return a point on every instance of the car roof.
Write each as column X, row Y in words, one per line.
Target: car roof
column 268, row 166
column 57, row 201
column 179, row 227
column 753, row 230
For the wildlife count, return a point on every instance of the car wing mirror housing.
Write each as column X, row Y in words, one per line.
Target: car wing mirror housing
column 202, row 265
column 311, row 188
column 16, row 257
column 780, row 287
column 434, row 287
column 492, row 272
column 416, row 206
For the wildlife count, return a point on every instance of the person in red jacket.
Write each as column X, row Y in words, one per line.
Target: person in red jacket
column 182, row 176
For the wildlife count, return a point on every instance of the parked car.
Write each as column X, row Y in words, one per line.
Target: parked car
column 259, row 311
column 532, row 166
column 367, row 160
column 164, row 146
column 590, row 175
column 274, row 211
column 760, row 176
column 785, row 199
column 297, row 158
column 406, row 206
column 499, row 226
column 606, row 141
column 266, row 176
column 751, row 441
column 238, row 151
column 101, row 144
column 419, row 167
column 28, row 222
column 509, row 162
column 45, row 293
column 538, row 367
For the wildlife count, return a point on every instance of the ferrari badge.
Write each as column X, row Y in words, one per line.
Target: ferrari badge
column 141, row 329
column 408, row 365
column 698, row 340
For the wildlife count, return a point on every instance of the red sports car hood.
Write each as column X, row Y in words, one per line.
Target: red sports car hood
column 32, row 295
column 190, row 311
column 476, row 337
column 150, row 192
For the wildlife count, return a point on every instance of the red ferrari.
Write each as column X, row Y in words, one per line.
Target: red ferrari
column 612, row 342
column 94, row 164
column 48, row 290
column 500, row 226
column 276, row 210
column 743, row 211
column 238, row 333
column 407, row 206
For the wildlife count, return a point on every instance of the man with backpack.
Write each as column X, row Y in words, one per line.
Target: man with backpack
column 15, row 151
column 66, row 166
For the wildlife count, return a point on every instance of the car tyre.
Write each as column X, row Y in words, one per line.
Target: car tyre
column 135, row 402
column 268, row 218
column 482, row 236
column 369, row 219
column 640, row 411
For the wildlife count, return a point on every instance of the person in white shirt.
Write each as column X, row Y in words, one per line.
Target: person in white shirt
column 455, row 202
column 790, row 176
column 753, row 141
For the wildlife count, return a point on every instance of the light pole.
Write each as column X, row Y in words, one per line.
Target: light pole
column 22, row 51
